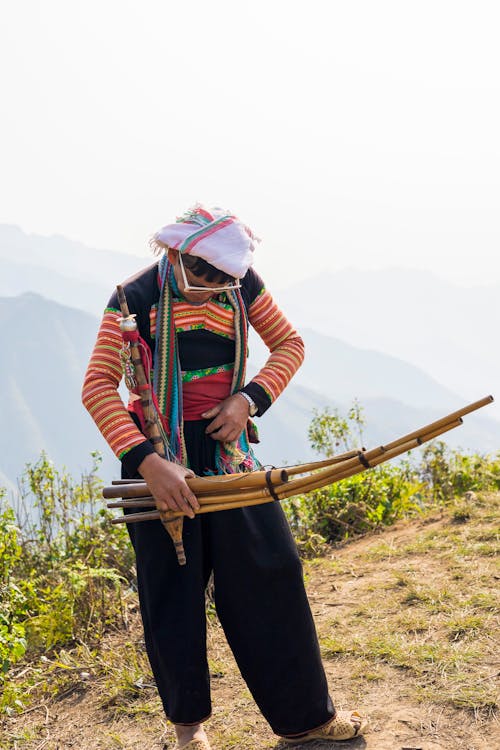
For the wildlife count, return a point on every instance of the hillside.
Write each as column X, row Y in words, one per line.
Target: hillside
column 406, row 622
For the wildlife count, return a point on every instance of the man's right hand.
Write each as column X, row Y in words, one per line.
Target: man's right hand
column 167, row 482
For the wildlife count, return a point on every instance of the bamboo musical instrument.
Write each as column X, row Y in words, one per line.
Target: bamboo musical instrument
column 128, row 327
column 224, row 492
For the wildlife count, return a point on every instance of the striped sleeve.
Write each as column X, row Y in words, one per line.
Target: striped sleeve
column 284, row 343
column 100, row 389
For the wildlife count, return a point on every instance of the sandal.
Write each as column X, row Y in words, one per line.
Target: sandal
column 344, row 726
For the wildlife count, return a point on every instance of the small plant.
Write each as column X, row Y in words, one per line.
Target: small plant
column 380, row 496
column 329, row 430
column 64, row 570
column 13, row 607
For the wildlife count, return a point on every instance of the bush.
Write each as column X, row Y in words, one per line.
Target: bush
column 64, row 569
column 12, row 600
column 382, row 495
column 358, row 504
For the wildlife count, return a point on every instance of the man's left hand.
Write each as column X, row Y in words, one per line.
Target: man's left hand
column 228, row 419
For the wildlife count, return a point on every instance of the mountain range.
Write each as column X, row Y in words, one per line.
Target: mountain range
column 408, row 345
column 447, row 330
column 46, row 346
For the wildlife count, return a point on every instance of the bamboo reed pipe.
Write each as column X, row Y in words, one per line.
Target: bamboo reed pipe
column 121, row 491
column 200, row 485
column 146, row 515
column 127, row 481
column 376, row 456
column 315, row 482
column 345, row 468
column 445, row 420
column 133, row 502
column 329, row 473
column 252, row 493
column 289, row 490
column 313, row 465
column 302, row 468
column 303, row 484
column 211, row 508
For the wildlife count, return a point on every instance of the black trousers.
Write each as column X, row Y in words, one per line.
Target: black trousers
column 260, row 601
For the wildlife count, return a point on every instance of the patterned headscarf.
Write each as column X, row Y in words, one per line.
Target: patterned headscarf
column 215, row 235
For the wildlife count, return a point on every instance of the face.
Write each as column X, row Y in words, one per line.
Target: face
column 194, row 297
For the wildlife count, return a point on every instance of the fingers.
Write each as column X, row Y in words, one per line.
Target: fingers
column 211, row 412
column 216, row 424
column 182, row 499
column 225, row 434
column 168, row 485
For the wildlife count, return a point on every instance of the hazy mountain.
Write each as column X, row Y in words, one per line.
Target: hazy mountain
column 343, row 372
column 46, row 346
column 60, row 269
column 447, row 330
column 69, row 258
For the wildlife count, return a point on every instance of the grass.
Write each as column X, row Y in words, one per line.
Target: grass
column 408, row 618
column 433, row 615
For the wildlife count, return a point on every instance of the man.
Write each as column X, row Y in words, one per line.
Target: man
column 193, row 308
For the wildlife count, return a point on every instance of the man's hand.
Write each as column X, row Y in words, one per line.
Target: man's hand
column 167, row 482
column 228, row 419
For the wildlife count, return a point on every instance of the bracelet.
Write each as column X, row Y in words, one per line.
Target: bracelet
column 252, row 406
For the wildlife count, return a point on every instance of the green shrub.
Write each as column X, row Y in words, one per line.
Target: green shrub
column 380, row 496
column 12, row 599
column 64, row 570
column 356, row 505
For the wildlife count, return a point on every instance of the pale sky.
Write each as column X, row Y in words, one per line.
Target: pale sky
column 354, row 133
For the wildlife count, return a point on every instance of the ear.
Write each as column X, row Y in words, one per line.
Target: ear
column 172, row 255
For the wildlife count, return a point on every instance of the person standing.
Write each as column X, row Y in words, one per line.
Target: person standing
column 193, row 309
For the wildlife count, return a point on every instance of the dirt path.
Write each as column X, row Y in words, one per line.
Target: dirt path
column 406, row 621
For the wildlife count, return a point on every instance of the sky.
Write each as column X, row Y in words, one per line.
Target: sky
column 346, row 134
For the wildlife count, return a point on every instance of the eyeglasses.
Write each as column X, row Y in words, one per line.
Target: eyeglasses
column 190, row 288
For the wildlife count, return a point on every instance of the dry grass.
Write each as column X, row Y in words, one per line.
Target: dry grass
column 408, row 626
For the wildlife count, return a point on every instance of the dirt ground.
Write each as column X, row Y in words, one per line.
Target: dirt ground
column 406, row 621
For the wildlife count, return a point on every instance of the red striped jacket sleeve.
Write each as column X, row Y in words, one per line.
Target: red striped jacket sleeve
column 284, row 343
column 100, row 389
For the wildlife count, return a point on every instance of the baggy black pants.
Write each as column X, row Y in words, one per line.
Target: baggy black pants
column 261, row 604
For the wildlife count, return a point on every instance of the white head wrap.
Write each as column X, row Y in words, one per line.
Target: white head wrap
column 215, row 235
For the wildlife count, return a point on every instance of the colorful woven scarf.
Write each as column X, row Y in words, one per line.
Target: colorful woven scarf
column 230, row 457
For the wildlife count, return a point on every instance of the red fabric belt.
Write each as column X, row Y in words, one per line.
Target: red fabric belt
column 198, row 396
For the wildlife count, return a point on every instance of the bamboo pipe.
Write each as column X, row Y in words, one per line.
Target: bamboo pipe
column 305, row 484
column 314, row 481
column 444, row 420
column 298, row 485
column 200, row 485
column 242, row 495
column 302, row 468
column 313, row 465
column 110, row 492
column 128, row 324
column 127, row 481
column 376, row 456
column 149, row 502
column 301, row 484
column 290, row 489
column 212, row 508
